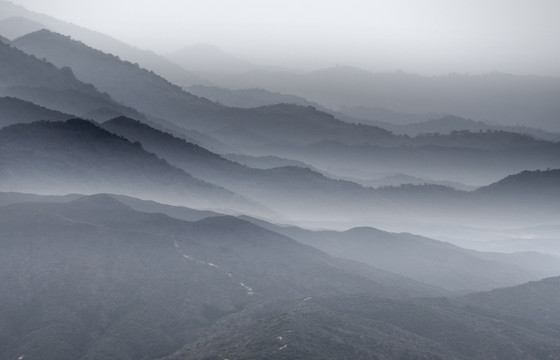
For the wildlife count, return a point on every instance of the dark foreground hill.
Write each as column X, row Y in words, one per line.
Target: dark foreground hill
column 94, row 279
column 360, row 327
column 534, row 301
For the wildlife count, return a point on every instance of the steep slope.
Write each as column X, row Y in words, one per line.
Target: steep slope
column 151, row 94
column 197, row 159
column 13, row 111
column 78, row 156
column 125, row 81
column 28, row 78
column 147, row 59
column 93, row 279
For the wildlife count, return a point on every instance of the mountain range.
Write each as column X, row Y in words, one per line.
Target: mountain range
column 295, row 190
column 493, row 97
column 199, row 206
column 426, row 260
column 158, row 98
column 78, row 156
column 14, row 111
column 140, row 267
column 97, row 272
column 28, row 78
column 19, row 17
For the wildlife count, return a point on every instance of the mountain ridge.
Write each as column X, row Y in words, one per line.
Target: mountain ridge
column 109, row 44
column 79, row 156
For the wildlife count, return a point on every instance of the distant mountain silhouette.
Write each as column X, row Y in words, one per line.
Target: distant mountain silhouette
column 13, row 111
column 464, row 157
column 412, row 124
column 125, row 81
column 296, row 192
column 28, row 78
column 489, row 139
column 388, row 119
column 287, row 189
column 399, row 123
column 492, row 97
column 203, row 58
column 153, row 95
column 449, row 124
column 546, row 180
column 140, row 220
column 147, row 59
column 399, row 179
column 77, row 156
column 537, row 188
column 264, row 162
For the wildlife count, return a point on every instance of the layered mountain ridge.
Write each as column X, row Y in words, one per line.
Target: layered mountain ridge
column 142, row 217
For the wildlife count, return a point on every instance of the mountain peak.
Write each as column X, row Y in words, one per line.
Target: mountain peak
column 43, row 33
column 534, row 180
column 123, row 120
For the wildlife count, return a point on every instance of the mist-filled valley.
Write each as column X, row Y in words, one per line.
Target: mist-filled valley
column 193, row 204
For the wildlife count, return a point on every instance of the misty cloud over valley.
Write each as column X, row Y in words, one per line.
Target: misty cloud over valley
column 331, row 180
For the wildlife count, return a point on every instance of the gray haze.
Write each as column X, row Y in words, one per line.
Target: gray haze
column 427, row 37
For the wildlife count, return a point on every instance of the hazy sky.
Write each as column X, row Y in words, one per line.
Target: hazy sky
column 425, row 36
